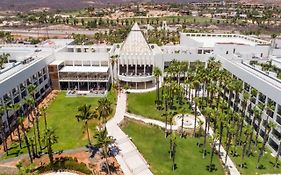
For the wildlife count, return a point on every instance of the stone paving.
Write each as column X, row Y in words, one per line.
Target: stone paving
column 129, row 158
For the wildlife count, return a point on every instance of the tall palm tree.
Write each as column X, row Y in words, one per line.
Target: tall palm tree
column 247, row 132
column 103, row 141
column 85, row 114
column 26, row 138
column 15, row 107
column 44, row 111
column 214, row 141
column 196, row 85
column 157, row 73
column 208, row 112
column 229, row 134
column 50, row 139
column 113, row 61
column 222, row 119
column 244, row 105
column 3, row 136
column 104, row 109
column 277, row 155
column 256, row 113
column 173, row 150
column 29, row 100
column 268, row 128
column 6, row 108
column 200, row 124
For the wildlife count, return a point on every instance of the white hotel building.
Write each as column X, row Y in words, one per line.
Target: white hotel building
column 58, row 64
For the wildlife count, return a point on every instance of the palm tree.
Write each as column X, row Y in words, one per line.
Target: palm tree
column 113, row 60
column 165, row 114
column 277, row 155
column 214, row 140
column 208, row 112
column 229, row 134
column 85, row 114
column 16, row 107
column 182, row 112
column 29, row 100
column 5, row 108
column 173, row 150
column 104, row 109
column 222, row 119
column 4, row 58
column 268, row 128
column 244, row 105
column 256, row 113
column 50, row 139
column 247, row 132
column 44, row 110
column 26, row 138
column 200, row 124
column 103, row 141
column 3, row 135
column 259, row 118
column 195, row 115
column 157, row 73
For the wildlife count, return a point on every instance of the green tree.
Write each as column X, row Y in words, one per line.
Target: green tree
column 85, row 114
column 104, row 109
column 103, row 141
column 4, row 58
column 50, row 139
column 26, row 138
column 157, row 73
column 268, row 128
column 213, row 141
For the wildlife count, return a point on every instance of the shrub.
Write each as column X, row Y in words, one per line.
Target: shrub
column 66, row 163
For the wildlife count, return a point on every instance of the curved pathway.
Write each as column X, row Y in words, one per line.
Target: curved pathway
column 129, row 158
column 230, row 164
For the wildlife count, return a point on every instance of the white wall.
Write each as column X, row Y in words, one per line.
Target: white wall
column 246, row 51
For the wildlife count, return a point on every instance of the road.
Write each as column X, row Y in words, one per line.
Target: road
column 51, row 32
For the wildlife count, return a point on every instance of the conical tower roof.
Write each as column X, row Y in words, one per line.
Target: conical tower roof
column 135, row 42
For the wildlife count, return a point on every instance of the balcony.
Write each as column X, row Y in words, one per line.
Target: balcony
column 136, row 78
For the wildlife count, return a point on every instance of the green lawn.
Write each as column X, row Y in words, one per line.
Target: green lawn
column 152, row 144
column 251, row 162
column 267, row 161
column 61, row 117
column 144, row 104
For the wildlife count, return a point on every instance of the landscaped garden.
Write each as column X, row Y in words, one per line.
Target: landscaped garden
column 230, row 109
column 61, row 117
column 144, row 104
column 153, row 145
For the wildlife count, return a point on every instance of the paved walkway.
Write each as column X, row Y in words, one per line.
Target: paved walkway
column 141, row 90
column 229, row 163
column 129, row 158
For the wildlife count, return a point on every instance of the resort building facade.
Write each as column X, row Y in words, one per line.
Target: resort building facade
column 90, row 69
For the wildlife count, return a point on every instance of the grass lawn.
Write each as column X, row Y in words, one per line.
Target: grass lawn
column 61, row 117
column 144, row 104
column 251, row 162
column 152, row 144
column 266, row 163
